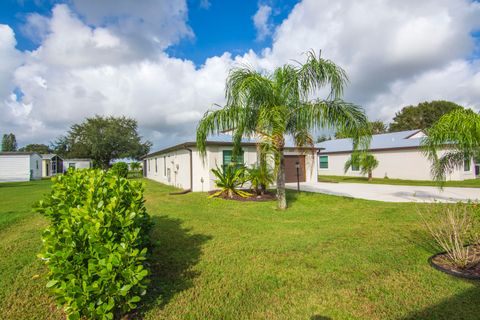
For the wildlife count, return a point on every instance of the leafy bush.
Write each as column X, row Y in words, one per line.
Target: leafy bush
column 120, row 169
column 96, row 244
column 230, row 180
column 260, row 178
column 454, row 228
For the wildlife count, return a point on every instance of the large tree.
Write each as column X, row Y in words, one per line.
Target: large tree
column 34, row 147
column 9, row 142
column 421, row 116
column 375, row 127
column 273, row 106
column 458, row 134
column 103, row 139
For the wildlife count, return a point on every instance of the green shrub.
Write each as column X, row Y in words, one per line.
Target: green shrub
column 96, row 244
column 120, row 169
column 230, row 180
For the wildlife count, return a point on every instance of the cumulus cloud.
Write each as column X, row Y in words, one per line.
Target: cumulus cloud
column 90, row 62
column 262, row 23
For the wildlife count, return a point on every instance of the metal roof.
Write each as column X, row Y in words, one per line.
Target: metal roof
column 16, row 153
column 49, row 156
column 394, row 140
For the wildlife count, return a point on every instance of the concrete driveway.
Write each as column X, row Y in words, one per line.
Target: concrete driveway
column 390, row 193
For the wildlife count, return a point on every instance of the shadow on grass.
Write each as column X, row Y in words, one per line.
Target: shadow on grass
column 175, row 251
column 319, row 317
column 461, row 306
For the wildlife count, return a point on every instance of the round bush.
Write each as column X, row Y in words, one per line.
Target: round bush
column 120, row 169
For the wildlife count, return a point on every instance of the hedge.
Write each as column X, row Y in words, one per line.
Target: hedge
column 96, row 243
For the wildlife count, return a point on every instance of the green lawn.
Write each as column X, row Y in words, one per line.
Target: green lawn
column 471, row 183
column 324, row 258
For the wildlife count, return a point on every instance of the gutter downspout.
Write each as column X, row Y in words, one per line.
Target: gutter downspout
column 191, row 175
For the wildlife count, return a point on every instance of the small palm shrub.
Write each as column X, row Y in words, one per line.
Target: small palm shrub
column 454, row 228
column 120, row 169
column 260, row 178
column 230, row 180
column 96, row 243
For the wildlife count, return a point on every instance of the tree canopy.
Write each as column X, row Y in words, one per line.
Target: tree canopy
column 422, row 116
column 272, row 106
column 9, row 142
column 34, row 147
column 103, row 139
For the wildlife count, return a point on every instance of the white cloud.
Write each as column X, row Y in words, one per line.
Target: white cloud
column 261, row 20
column 395, row 52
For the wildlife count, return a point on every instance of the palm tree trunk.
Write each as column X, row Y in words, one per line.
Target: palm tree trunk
column 369, row 175
column 281, row 196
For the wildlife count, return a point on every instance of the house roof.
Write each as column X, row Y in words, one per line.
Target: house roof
column 222, row 139
column 77, row 159
column 49, row 156
column 387, row 141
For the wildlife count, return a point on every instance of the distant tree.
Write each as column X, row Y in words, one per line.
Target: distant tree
column 378, row 127
column 103, row 139
column 38, row 148
column 365, row 161
column 421, row 116
column 9, row 142
column 323, row 138
column 375, row 127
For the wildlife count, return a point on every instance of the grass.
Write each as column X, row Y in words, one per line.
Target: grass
column 325, row 257
column 471, row 183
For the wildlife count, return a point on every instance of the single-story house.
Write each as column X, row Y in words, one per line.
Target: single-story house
column 182, row 166
column 77, row 163
column 399, row 154
column 52, row 164
column 20, row 166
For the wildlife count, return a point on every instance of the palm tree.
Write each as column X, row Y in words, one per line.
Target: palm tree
column 273, row 106
column 458, row 133
column 135, row 167
column 365, row 161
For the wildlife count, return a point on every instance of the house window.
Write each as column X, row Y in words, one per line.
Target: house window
column 466, row 165
column 156, row 165
column 149, row 165
column 228, row 158
column 71, row 165
column 164, row 166
column 323, row 160
column 37, row 163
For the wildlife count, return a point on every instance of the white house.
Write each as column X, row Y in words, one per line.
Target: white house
column 399, row 155
column 52, row 164
column 20, row 166
column 77, row 163
column 183, row 167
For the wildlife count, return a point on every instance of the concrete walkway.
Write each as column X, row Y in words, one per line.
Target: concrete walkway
column 390, row 193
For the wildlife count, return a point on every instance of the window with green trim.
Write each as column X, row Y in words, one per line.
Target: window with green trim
column 323, row 160
column 228, row 158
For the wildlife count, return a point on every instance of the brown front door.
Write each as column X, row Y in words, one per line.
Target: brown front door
column 291, row 169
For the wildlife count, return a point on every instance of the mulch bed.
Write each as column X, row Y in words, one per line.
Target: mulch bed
column 441, row 262
column 267, row 196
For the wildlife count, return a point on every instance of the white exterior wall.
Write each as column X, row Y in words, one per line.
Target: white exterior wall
column 36, row 166
column 17, row 167
column 79, row 164
column 173, row 168
column 408, row 164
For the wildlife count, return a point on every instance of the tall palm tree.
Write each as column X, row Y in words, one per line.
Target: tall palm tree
column 273, row 106
column 458, row 134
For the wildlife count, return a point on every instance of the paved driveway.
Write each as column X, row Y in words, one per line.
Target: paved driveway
column 390, row 193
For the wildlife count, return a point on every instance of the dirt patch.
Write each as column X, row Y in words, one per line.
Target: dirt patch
column 267, row 196
column 441, row 262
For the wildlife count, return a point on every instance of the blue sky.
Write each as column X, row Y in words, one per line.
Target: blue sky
column 219, row 26
column 165, row 63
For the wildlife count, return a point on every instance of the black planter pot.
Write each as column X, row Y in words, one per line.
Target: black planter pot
column 450, row 272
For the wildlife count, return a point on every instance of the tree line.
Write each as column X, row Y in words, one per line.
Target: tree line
column 101, row 139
